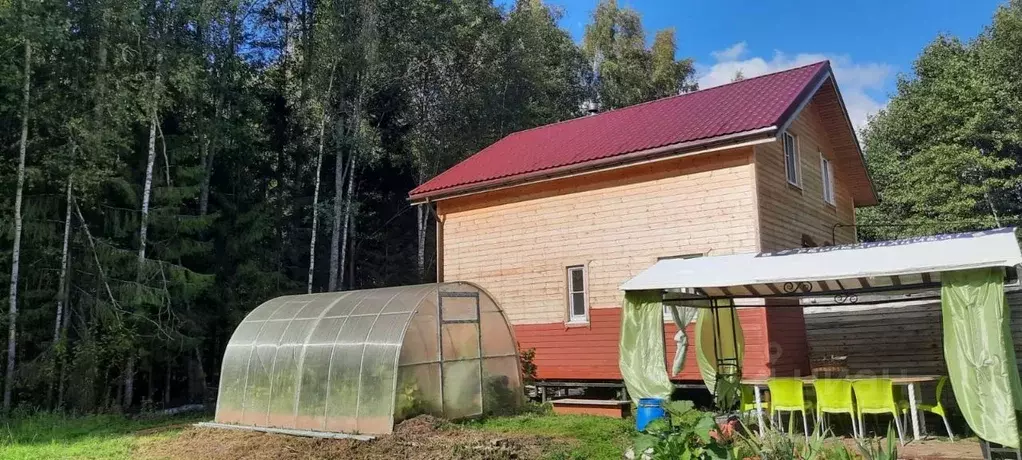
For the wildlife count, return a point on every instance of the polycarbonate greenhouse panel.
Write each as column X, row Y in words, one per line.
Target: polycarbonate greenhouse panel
column 356, row 361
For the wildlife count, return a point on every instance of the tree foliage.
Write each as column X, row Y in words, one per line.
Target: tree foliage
column 945, row 153
column 225, row 109
column 624, row 70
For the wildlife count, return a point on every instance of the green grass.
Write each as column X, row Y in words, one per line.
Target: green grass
column 594, row 437
column 53, row 436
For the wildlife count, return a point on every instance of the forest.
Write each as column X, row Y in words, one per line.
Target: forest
column 171, row 164
column 168, row 165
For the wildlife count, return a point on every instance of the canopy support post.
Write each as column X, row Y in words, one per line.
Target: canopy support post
column 728, row 369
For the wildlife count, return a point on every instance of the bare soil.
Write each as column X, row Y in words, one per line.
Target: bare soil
column 420, row 438
column 934, row 448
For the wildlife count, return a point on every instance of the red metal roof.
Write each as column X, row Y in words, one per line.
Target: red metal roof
column 742, row 106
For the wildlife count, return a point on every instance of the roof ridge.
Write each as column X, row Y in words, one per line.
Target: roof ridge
column 640, row 104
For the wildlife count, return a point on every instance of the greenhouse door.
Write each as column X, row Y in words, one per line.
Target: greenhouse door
column 461, row 364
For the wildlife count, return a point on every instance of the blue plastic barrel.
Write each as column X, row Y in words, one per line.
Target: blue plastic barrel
column 649, row 409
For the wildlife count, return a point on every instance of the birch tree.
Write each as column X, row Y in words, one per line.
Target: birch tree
column 12, row 325
column 324, row 119
column 58, row 323
column 153, row 118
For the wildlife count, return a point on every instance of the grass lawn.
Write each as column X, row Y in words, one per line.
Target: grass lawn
column 51, row 436
column 596, row 437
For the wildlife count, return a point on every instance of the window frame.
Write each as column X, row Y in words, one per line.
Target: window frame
column 797, row 163
column 668, row 317
column 572, row 318
column 827, row 180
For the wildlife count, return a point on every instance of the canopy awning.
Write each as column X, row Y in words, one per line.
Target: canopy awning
column 867, row 267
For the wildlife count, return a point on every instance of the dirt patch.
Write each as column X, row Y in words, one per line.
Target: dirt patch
column 421, row 425
column 420, row 438
column 934, row 448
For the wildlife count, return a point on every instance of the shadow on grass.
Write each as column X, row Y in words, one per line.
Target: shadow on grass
column 49, row 428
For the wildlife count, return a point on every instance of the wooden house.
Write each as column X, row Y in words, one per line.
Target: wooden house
column 552, row 220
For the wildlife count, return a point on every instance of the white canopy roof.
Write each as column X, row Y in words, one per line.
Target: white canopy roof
column 897, row 264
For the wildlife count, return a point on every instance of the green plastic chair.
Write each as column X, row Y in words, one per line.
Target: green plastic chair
column 936, row 408
column 786, row 396
column 749, row 401
column 876, row 396
column 834, row 396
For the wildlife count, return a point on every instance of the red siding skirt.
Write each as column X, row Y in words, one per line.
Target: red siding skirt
column 591, row 352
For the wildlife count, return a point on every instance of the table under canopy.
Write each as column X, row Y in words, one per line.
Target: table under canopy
column 970, row 269
column 909, row 382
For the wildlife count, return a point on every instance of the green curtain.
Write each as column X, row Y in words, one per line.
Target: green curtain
column 980, row 353
column 642, row 358
column 705, row 352
column 682, row 316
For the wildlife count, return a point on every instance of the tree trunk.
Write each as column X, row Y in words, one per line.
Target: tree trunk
column 207, row 166
column 324, row 118
column 315, row 205
column 66, row 322
column 335, row 233
column 347, row 214
column 129, row 383
column 150, row 387
column 166, row 384
column 201, row 369
column 12, row 326
column 352, row 257
column 95, row 256
column 146, row 193
column 129, row 368
column 61, row 289
column 421, row 214
column 166, row 159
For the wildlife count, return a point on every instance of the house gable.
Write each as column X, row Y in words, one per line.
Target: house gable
column 794, row 216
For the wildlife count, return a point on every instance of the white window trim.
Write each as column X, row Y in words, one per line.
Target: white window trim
column 827, row 179
column 668, row 316
column 796, row 155
column 572, row 317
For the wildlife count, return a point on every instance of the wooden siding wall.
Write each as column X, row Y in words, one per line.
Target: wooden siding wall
column 789, row 347
column 787, row 212
column 897, row 338
column 517, row 243
column 590, row 353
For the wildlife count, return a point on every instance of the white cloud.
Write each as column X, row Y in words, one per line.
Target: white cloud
column 730, row 54
column 858, row 81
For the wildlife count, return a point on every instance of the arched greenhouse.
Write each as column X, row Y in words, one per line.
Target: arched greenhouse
column 359, row 361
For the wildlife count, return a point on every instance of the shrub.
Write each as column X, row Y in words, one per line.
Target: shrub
column 686, row 433
column 528, row 361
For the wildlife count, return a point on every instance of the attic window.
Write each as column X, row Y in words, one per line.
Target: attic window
column 827, row 176
column 792, row 167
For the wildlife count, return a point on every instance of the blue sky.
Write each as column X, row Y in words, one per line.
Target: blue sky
column 868, row 41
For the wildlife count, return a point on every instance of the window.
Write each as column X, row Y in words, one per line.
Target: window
column 578, row 301
column 828, row 179
column 668, row 316
column 791, row 163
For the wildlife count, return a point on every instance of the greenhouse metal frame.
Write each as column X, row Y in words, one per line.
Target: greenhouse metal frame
column 358, row 361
